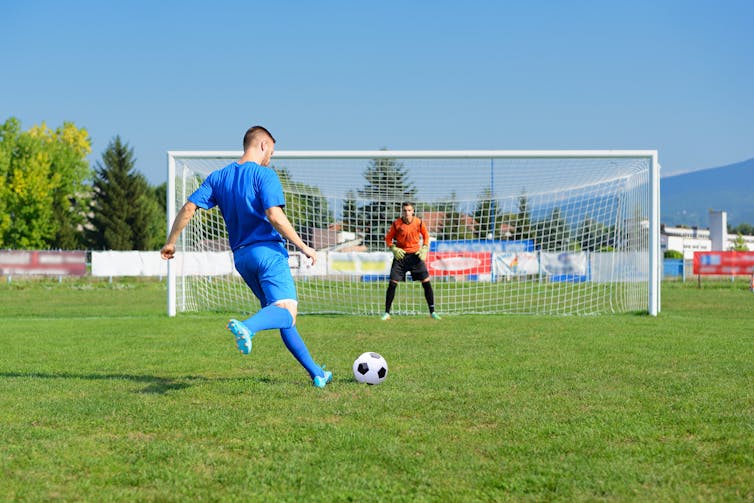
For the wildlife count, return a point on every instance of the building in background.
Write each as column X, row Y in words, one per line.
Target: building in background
column 688, row 241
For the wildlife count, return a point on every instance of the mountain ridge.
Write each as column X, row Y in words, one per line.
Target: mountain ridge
column 686, row 199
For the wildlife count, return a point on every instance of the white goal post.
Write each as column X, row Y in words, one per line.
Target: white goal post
column 557, row 232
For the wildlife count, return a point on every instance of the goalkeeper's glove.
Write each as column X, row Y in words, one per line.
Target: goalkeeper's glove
column 422, row 253
column 398, row 253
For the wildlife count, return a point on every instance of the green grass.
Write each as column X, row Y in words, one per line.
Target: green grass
column 103, row 398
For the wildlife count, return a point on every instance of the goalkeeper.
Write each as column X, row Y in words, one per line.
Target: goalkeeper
column 250, row 197
column 409, row 256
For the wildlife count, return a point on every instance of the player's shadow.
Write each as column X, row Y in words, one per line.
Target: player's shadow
column 154, row 384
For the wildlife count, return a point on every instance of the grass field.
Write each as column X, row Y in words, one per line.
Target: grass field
column 103, row 398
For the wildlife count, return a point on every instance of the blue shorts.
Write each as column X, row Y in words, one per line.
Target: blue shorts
column 264, row 267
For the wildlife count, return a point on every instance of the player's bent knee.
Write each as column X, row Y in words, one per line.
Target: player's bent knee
column 290, row 305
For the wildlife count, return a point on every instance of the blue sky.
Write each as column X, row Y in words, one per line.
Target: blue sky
column 676, row 76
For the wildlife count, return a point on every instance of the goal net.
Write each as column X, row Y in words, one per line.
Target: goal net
column 527, row 232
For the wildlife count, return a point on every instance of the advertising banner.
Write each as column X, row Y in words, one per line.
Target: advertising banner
column 459, row 263
column 724, row 263
column 481, row 245
column 40, row 263
column 516, row 264
column 359, row 263
column 564, row 263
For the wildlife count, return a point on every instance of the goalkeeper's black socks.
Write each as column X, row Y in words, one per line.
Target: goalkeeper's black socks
column 390, row 295
column 429, row 294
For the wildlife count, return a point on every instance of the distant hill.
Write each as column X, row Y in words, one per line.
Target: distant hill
column 686, row 199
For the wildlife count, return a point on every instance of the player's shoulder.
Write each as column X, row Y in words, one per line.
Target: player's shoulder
column 255, row 171
column 225, row 171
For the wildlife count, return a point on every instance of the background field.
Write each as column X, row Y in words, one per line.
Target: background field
column 104, row 398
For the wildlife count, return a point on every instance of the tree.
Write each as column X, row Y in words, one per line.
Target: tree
column 305, row 206
column 552, row 234
column 739, row 244
column 387, row 187
column 486, row 215
column 350, row 213
column 455, row 224
column 593, row 235
column 743, row 229
column 69, row 147
column 126, row 215
column 523, row 221
column 43, row 175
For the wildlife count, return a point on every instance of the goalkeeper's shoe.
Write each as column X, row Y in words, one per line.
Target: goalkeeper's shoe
column 321, row 382
column 385, row 317
column 434, row 316
column 242, row 334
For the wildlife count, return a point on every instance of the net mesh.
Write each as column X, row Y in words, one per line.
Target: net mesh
column 533, row 235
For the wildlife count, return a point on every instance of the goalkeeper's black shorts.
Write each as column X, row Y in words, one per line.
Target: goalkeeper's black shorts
column 410, row 263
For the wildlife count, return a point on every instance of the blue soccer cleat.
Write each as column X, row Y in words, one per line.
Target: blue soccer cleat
column 321, row 382
column 435, row 316
column 242, row 334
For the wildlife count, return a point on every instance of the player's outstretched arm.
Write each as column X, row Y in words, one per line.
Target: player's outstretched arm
column 181, row 220
column 280, row 222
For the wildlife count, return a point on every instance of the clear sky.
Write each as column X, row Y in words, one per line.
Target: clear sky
column 671, row 75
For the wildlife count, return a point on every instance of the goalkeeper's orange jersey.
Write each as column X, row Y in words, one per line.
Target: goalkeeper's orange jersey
column 407, row 235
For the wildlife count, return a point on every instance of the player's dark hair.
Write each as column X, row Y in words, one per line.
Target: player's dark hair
column 253, row 133
column 407, row 203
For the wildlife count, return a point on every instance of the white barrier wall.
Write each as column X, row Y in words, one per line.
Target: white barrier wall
column 137, row 263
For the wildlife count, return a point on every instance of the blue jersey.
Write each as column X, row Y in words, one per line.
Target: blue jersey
column 243, row 192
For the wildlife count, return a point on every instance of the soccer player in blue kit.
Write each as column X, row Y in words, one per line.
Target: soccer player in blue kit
column 250, row 197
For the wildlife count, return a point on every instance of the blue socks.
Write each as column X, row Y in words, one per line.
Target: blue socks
column 274, row 316
column 268, row 318
column 296, row 346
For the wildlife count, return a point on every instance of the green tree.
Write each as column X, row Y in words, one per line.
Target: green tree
column 305, row 206
column 743, row 229
column 455, row 224
column 43, row 175
column 126, row 214
column 594, row 235
column 552, row 234
column 387, row 186
column 487, row 215
column 523, row 220
column 160, row 193
column 739, row 244
column 351, row 213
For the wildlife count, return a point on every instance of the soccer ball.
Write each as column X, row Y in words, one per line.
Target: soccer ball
column 370, row 368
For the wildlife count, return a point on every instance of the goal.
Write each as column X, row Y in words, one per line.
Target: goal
column 512, row 232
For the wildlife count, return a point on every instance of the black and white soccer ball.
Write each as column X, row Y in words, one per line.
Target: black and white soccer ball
column 370, row 368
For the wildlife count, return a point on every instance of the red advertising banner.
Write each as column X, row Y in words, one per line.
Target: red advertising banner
column 43, row 263
column 724, row 263
column 459, row 263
